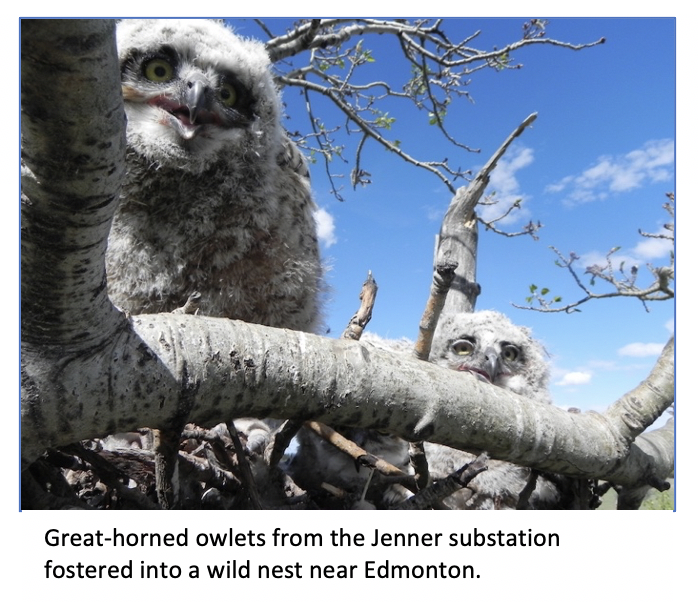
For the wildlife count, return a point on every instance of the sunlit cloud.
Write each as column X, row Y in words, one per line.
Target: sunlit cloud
column 652, row 248
column 641, row 349
column 325, row 227
column 654, row 162
column 574, row 378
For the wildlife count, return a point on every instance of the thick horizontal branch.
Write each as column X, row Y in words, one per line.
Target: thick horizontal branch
column 170, row 366
column 639, row 408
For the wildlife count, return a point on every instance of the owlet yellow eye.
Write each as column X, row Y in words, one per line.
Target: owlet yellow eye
column 228, row 95
column 158, row 71
column 463, row 347
column 510, row 352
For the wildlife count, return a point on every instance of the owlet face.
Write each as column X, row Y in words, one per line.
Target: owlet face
column 491, row 359
column 193, row 88
column 488, row 345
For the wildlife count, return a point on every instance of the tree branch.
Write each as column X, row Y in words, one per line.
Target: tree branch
column 221, row 368
column 440, row 73
column 457, row 240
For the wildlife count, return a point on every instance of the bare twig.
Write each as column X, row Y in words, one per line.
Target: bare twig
column 166, row 447
column 357, row 453
column 282, row 436
column 280, row 440
column 441, row 489
column 441, row 70
column 247, row 478
column 362, row 317
column 444, row 273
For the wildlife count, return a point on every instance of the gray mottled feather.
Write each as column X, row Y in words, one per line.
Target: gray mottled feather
column 226, row 212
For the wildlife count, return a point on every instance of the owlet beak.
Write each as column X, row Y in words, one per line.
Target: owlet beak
column 195, row 96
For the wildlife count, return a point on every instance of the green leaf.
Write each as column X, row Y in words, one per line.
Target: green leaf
column 533, row 288
column 544, row 291
column 557, row 299
column 385, row 122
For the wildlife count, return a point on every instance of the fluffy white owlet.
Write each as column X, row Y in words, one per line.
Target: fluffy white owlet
column 488, row 345
column 216, row 197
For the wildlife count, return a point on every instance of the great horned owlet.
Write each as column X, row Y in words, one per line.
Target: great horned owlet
column 216, row 197
column 489, row 346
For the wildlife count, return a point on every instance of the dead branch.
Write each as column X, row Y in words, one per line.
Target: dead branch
column 362, row 317
column 457, row 240
column 444, row 273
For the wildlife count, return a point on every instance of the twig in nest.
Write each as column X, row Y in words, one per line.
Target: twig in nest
column 111, row 476
column 166, row 447
column 528, row 489
column 420, row 465
column 282, row 437
column 280, row 440
column 357, row 453
column 444, row 272
column 432, row 495
column 246, row 471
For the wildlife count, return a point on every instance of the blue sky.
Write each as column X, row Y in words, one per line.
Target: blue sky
column 594, row 169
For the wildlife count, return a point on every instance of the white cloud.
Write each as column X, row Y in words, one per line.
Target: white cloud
column 669, row 325
column 325, row 227
column 653, row 248
column 503, row 181
column 641, row 349
column 654, row 162
column 574, row 378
